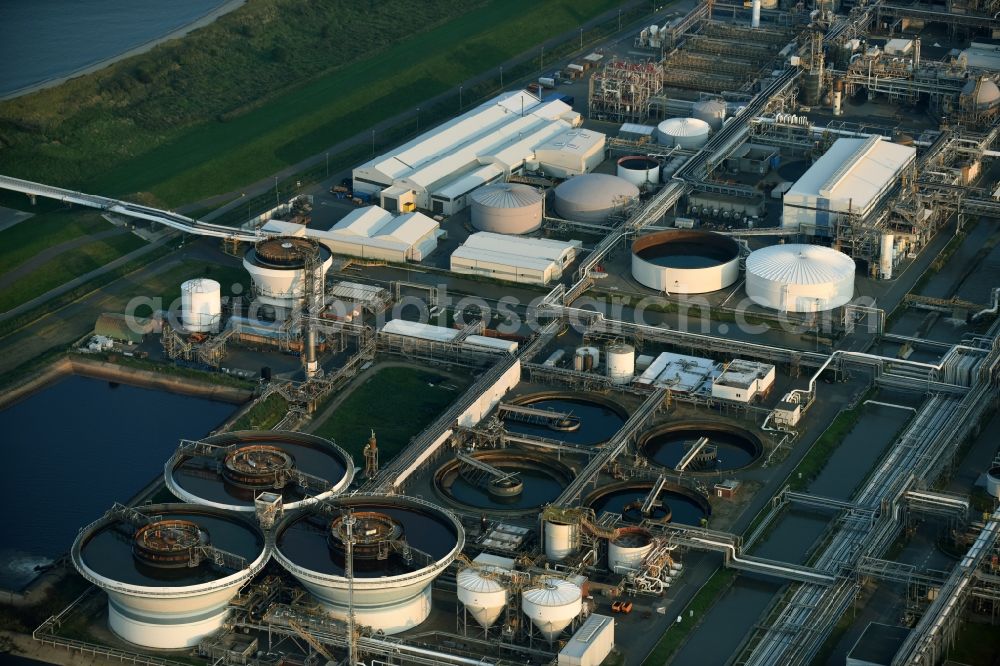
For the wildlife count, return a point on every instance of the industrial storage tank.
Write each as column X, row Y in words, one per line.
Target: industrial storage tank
column 400, row 545
column 683, row 132
column 993, row 481
column 593, row 197
column 201, row 305
column 685, row 262
column 799, row 278
column 561, row 540
column 552, row 605
column 639, row 170
column 483, row 597
column 230, row 470
column 628, row 548
column 620, row 363
column 277, row 266
column 712, row 111
column 170, row 570
column 507, row 208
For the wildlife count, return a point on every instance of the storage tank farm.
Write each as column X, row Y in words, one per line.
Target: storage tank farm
column 169, row 570
column 400, row 545
column 594, row 197
column 799, row 278
column 230, row 470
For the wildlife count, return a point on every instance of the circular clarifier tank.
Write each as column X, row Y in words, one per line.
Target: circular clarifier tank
column 401, row 544
column 535, row 480
column 169, row 570
column 674, row 504
column 594, row 419
column 685, row 262
column 229, row 470
column 728, row 447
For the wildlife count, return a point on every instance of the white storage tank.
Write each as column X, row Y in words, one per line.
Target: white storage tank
column 799, row 278
column 620, row 363
column 639, row 170
column 507, row 208
column 685, row 262
column 628, row 549
column 552, row 605
column 683, row 132
column 886, row 257
column 712, row 111
column 993, row 481
column 561, row 540
column 593, row 197
column 201, row 305
column 484, row 598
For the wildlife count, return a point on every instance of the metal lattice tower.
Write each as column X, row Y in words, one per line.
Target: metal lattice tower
column 622, row 90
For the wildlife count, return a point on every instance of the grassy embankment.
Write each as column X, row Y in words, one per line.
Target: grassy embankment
column 264, row 415
column 396, row 402
column 255, row 92
column 676, row 634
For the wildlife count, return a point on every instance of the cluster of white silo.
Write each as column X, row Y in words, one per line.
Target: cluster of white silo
column 618, row 358
column 550, row 603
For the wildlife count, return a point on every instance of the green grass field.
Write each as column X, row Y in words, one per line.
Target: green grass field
column 397, row 402
column 264, row 415
column 134, row 120
column 23, row 241
column 66, row 267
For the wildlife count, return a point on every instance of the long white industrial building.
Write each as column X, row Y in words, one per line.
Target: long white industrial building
column 371, row 233
column 852, row 176
column 437, row 170
column 514, row 258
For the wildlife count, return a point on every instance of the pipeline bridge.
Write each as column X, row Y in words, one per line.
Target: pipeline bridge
column 165, row 217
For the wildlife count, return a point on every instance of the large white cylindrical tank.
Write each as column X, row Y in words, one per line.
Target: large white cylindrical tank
column 685, row 262
column 639, row 170
column 277, row 268
column 885, row 258
column 561, row 540
column 164, row 590
column 620, row 363
column 593, row 197
column 201, row 305
column 552, row 605
column 507, row 208
column 799, row 278
column 993, row 481
column 627, row 550
column 390, row 593
column 711, row 111
column 484, row 598
column 683, row 132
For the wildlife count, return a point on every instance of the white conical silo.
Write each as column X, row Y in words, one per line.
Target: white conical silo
column 552, row 605
column 483, row 597
column 201, row 305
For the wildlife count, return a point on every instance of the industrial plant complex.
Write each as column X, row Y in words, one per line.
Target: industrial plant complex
column 696, row 334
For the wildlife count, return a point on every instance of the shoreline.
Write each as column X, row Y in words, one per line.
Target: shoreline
column 82, row 366
column 182, row 31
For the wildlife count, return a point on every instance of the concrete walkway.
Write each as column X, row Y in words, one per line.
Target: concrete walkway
column 46, row 255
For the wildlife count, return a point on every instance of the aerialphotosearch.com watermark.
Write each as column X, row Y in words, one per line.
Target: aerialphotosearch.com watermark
column 510, row 315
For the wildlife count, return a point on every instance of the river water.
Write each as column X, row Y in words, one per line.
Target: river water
column 75, row 448
column 42, row 40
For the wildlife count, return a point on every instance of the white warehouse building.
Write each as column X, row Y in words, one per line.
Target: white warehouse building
column 439, row 169
column 514, row 258
column 854, row 175
column 370, row 233
column 571, row 153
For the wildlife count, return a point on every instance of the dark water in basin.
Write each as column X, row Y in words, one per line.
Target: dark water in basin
column 597, row 422
column 539, row 488
column 669, row 448
column 685, row 255
column 684, row 509
column 76, row 447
